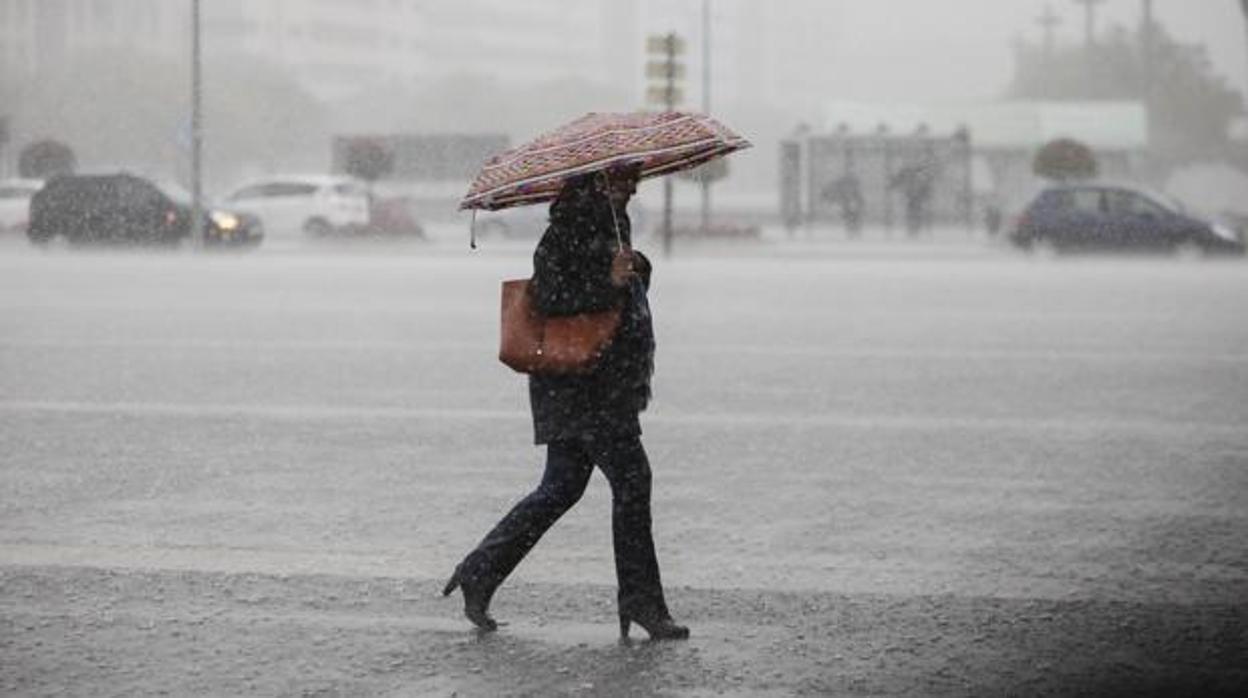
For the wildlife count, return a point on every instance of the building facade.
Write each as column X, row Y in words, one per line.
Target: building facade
column 38, row 36
column 336, row 47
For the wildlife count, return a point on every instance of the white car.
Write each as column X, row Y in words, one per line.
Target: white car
column 313, row 205
column 15, row 203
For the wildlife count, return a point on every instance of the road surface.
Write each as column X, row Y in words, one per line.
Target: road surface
column 880, row 469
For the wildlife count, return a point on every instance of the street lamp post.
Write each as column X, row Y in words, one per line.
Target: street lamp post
column 197, row 136
column 1148, row 38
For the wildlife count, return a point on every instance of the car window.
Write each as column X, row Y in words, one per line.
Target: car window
column 137, row 192
column 174, row 191
column 252, row 192
column 270, row 190
column 289, row 189
column 1167, row 201
column 1088, row 201
column 78, row 190
column 348, row 189
column 1055, row 200
column 1131, row 204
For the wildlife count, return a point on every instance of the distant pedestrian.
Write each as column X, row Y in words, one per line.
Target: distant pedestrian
column 993, row 218
column 580, row 266
column 846, row 192
column 916, row 185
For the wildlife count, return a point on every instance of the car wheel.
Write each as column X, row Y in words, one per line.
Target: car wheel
column 1044, row 248
column 1188, row 250
column 317, row 227
column 40, row 237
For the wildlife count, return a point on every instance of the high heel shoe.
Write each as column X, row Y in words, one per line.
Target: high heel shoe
column 658, row 628
column 476, row 599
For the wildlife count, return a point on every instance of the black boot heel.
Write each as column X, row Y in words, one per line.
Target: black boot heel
column 658, row 628
column 476, row 599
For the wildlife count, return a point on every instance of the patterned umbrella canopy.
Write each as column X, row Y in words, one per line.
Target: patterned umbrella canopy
column 659, row 142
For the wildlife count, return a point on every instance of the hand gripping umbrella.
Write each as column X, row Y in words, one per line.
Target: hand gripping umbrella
column 659, row 143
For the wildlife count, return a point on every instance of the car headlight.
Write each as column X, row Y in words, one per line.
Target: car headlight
column 1225, row 232
column 225, row 221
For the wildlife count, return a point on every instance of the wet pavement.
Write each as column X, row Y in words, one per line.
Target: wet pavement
column 880, row 469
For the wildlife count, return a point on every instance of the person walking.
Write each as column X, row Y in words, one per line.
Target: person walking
column 846, row 191
column 585, row 263
column 916, row 183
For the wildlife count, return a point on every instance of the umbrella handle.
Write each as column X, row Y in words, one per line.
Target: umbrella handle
column 615, row 221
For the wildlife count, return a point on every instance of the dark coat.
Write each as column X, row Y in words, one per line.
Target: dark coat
column 572, row 275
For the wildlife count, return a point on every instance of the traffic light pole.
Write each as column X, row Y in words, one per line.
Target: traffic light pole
column 667, row 72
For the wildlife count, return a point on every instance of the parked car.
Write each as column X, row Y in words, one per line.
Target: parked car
column 1118, row 217
column 126, row 208
column 15, row 197
column 312, row 205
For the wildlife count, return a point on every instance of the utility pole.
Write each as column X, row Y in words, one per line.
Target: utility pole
column 706, row 106
column 4, row 141
column 1244, row 4
column 197, row 133
column 1148, row 38
column 1089, row 22
column 1049, row 21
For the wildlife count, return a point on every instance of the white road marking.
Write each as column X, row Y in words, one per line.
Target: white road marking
column 1074, row 423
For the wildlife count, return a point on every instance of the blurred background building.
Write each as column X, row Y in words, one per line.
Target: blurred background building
column 284, row 77
column 336, row 48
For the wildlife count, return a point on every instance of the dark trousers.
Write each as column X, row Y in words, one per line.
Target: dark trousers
column 568, row 467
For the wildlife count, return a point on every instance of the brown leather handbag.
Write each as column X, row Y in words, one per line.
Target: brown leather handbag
column 532, row 343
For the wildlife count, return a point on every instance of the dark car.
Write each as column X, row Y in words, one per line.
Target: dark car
column 1111, row 217
column 126, row 209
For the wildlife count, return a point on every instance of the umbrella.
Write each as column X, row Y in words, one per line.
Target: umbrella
column 660, row 143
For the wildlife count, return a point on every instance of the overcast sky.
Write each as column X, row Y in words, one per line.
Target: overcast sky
column 886, row 46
